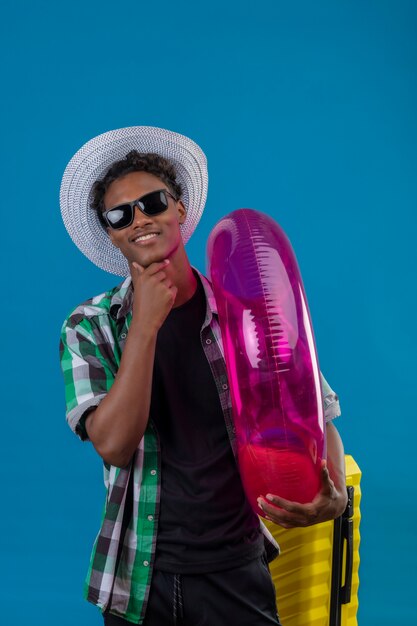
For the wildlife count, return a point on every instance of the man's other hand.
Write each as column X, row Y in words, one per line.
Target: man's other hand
column 327, row 505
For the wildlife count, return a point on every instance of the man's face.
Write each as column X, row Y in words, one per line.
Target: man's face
column 165, row 225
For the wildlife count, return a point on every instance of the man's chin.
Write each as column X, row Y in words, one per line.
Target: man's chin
column 147, row 261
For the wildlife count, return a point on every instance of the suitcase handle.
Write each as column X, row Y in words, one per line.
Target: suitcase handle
column 347, row 536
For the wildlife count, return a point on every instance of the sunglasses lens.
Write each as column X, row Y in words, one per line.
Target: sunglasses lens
column 121, row 216
column 154, row 203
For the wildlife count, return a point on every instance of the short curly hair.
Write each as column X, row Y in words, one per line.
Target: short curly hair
column 135, row 161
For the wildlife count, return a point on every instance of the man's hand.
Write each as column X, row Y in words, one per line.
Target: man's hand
column 154, row 294
column 329, row 503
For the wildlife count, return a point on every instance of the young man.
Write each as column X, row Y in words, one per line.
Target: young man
column 146, row 383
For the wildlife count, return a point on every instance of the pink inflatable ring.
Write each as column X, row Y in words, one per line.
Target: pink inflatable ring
column 270, row 356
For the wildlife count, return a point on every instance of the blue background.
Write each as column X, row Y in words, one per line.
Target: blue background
column 307, row 111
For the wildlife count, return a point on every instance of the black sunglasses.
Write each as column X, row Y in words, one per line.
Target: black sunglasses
column 151, row 203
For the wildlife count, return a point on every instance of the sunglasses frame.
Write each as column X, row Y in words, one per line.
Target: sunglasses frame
column 135, row 203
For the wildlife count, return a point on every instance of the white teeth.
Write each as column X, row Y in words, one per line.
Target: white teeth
column 146, row 237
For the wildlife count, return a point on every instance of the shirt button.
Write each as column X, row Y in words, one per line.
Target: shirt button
column 150, row 518
column 153, row 472
column 146, row 563
column 208, row 341
column 225, row 386
column 123, row 336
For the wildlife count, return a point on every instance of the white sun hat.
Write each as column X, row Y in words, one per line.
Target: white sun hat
column 92, row 162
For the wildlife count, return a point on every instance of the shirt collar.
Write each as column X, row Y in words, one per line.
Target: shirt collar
column 123, row 297
column 209, row 291
column 121, row 300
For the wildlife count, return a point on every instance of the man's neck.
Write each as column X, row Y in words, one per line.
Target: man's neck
column 187, row 285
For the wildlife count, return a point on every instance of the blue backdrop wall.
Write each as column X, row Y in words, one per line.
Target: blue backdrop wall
column 306, row 111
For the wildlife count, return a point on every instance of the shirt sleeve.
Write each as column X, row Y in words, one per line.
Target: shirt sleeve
column 330, row 400
column 89, row 367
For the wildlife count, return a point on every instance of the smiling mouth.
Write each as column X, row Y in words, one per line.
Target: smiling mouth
column 145, row 238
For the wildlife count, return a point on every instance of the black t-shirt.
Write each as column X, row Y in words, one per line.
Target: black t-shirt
column 205, row 521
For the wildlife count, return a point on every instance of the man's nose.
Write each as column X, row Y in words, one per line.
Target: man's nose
column 140, row 217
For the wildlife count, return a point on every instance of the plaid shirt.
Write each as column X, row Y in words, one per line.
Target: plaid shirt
column 91, row 345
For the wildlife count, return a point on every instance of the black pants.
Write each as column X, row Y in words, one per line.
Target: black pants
column 244, row 595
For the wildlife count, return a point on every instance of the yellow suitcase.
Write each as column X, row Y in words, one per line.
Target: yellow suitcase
column 316, row 574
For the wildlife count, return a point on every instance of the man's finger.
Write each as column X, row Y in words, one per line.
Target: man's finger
column 282, row 503
column 280, row 516
column 138, row 267
column 327, row 485
column 279, row 522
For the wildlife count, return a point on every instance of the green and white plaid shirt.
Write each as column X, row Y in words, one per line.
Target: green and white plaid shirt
column 91, row 346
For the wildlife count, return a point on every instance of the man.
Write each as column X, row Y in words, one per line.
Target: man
column 146, row 383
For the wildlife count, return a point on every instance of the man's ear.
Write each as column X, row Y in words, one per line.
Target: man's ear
column 182, row 212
